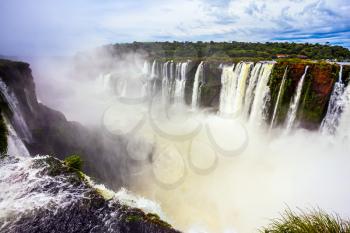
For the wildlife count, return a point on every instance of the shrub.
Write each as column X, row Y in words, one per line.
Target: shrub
column 74, row 161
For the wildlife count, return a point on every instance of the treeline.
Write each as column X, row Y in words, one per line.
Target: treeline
column 268, row 50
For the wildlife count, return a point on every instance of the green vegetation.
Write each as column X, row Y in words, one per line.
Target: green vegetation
column 134, row 218
column 315, row 221
column 139, row 216
column 74, row 161
column 227, row 51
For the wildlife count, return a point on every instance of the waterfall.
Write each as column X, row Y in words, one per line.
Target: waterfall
column 165, row 83
column 180, row 82
column 15, row 146
column 146, row 68
column 154, row 69
column 292, row 112
column 249, row 96
column 17, row 113
column 228, row 83
column 233, row 88
column 241, row 87
column 262, row 91
column 335, row 106
column 279, row 95
column 343, row 129
column 198, row 79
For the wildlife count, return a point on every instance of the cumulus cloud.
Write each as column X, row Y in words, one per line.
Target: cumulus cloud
column 55, row 27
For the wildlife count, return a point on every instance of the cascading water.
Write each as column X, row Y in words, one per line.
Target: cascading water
column 343, row 129
column 146, row 68
column 335, row 107
column 293, row 109
column 17, row 114
column 228, row 83
column 261, row 97
column 180, row 82
column 233, row 88
column 154, row 69
column 165, row 83
column 249, row 96
column 15, row 146
column 198, row 79
column 279, row 96
column 241, row 87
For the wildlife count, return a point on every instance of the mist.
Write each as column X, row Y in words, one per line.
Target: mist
column 209, row 173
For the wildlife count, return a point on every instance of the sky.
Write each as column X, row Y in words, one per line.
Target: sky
column 61, row 27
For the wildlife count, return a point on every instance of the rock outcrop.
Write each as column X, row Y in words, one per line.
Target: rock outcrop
column 71, row 204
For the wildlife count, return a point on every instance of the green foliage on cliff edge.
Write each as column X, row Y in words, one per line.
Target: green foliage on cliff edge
column 74, row 161
column 315, row 221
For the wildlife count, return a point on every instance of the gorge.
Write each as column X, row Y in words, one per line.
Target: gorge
column 220, row 145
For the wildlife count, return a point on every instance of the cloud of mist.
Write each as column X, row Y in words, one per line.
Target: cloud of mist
column 83, row 86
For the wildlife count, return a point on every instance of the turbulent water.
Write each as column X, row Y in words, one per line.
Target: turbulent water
column 213, row 171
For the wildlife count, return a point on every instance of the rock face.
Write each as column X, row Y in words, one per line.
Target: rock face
column 316, row 91
column 70, row 203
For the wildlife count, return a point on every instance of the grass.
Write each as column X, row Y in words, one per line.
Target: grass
column 314, row 221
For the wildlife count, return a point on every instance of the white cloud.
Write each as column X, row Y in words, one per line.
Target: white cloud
column 57, row 26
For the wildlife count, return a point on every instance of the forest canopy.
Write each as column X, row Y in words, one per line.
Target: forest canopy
column 268, row 50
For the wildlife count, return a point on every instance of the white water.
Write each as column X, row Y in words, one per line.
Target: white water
column 233, row 88
column 180, row 82
column 241, row 87
column 250, row 93
column 335, row 106
column 15, row 145
column 198, row 79
column 154, row 69
column 228, row 87
column 257, row 115
column 17, row 113
column 293, row 108
column 343, row 130
column 165, row 84
column 278, row 98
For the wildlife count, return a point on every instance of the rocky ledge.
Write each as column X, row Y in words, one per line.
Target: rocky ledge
column 49, row 195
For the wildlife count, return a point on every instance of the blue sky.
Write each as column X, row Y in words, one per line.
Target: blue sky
column 59, row 27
